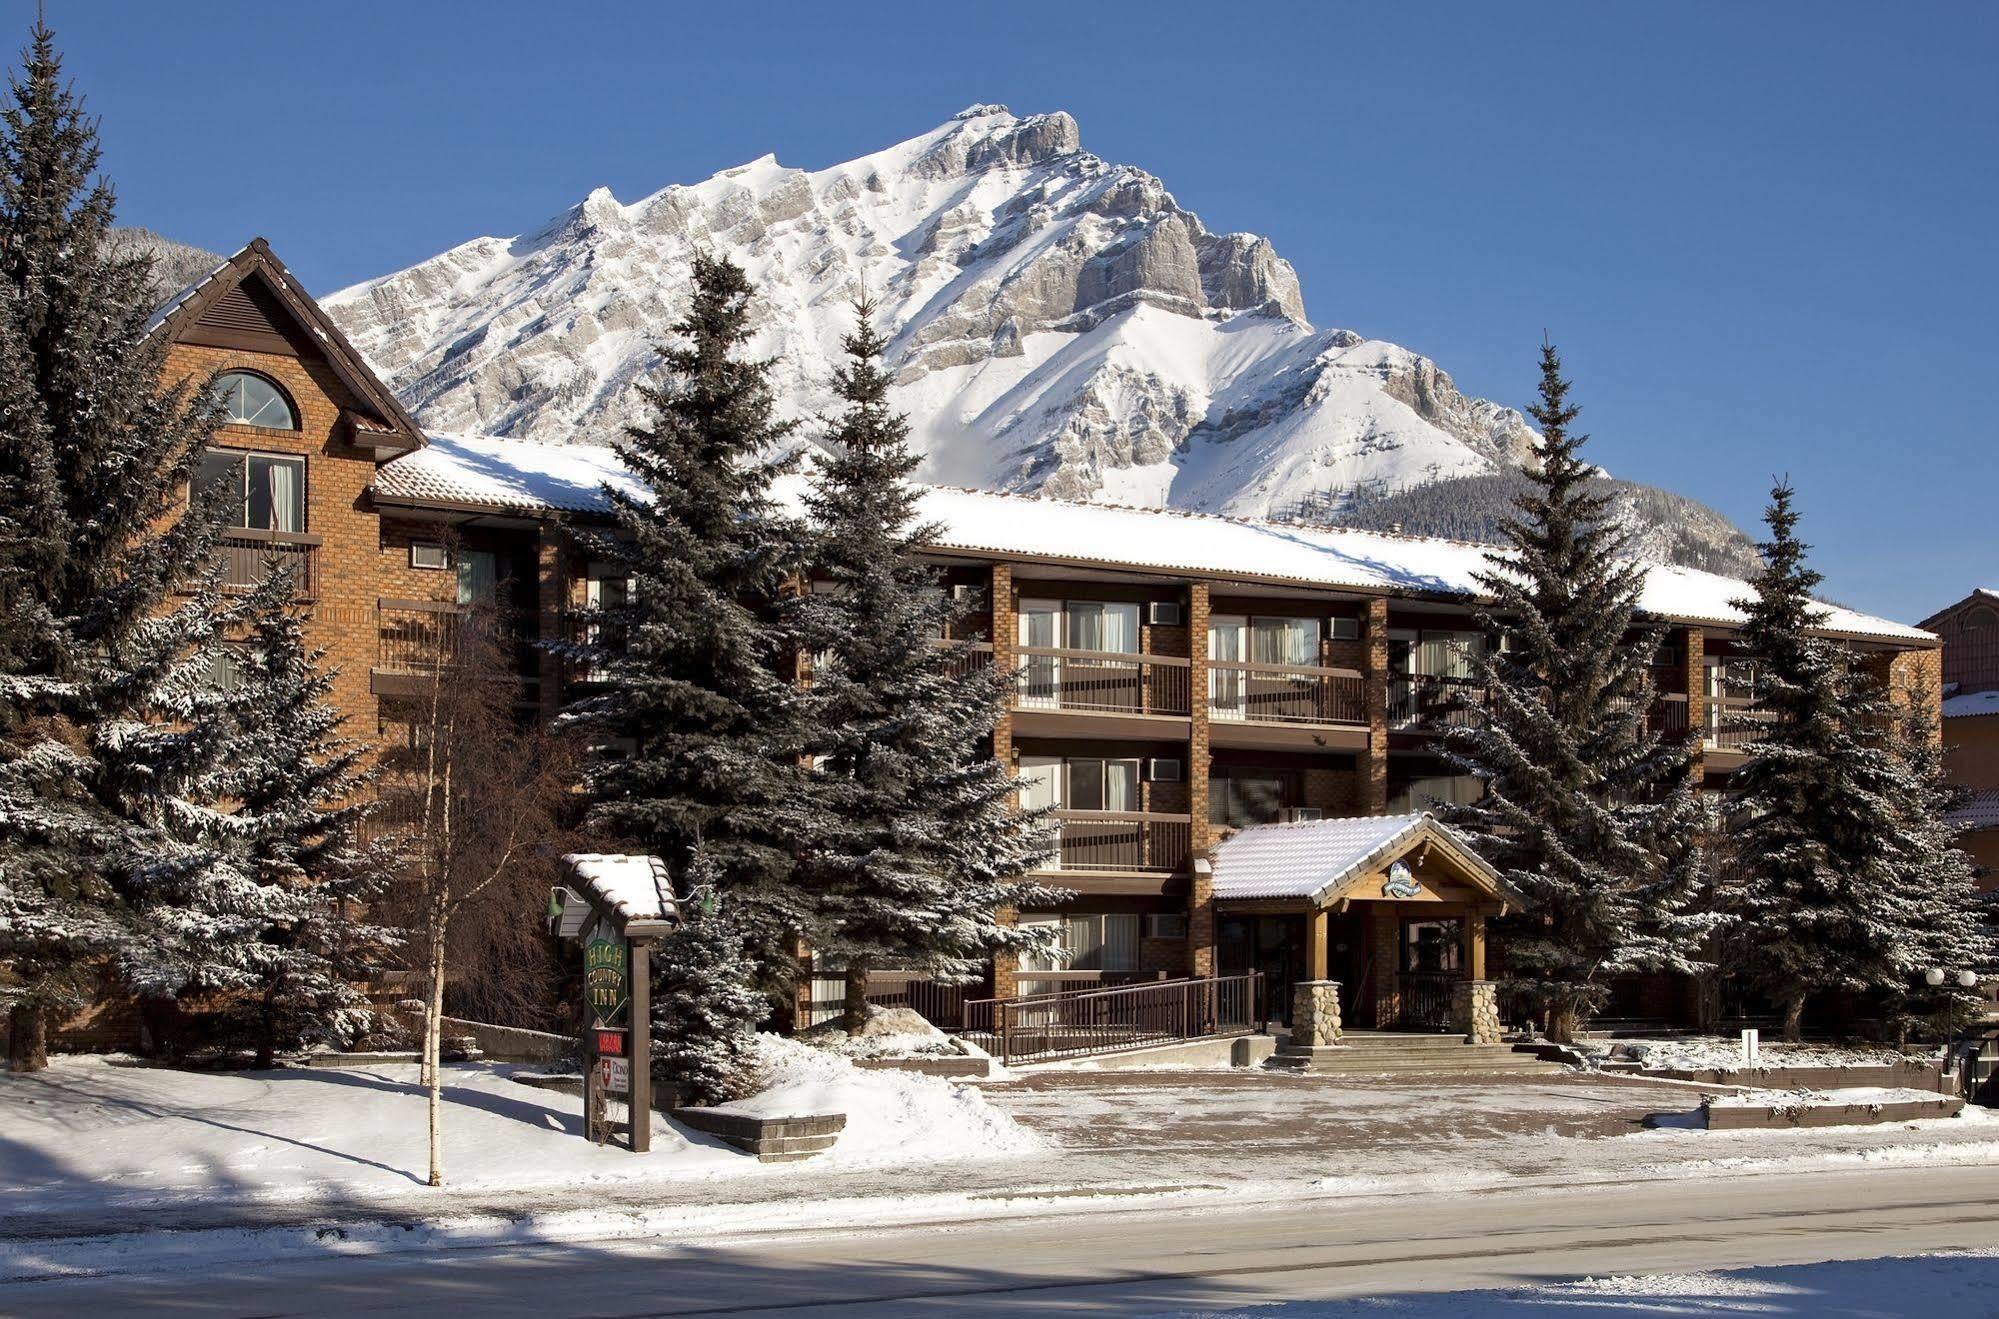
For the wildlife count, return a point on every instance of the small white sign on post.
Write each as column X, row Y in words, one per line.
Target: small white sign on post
column 614, row 1075
column 1751, row 1046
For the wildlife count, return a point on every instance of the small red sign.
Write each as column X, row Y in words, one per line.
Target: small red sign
column 611, row 1042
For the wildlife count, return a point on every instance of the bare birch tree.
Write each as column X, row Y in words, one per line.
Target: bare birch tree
column 480, row 790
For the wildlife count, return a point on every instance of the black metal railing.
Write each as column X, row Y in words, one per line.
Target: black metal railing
column 249, row 554
column 1423, row 1000
column 1047, row 1027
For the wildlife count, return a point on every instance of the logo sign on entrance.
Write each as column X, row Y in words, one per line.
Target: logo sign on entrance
column 605, row 984
column 1401, row 882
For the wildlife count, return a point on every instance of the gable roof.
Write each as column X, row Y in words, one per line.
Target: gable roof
column 1979, row 595
column 526, row 478
column 1317, row 859
column 630, row 889
column 381, row 420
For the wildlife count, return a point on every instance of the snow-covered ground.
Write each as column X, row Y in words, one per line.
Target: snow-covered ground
column 295, row 1163
column 1955, row 1283
column 90, row 1132
column 1702, row 1052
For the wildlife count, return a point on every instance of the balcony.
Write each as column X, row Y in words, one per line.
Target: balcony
column 1102, row 682
column 1239, row 690
column 417, row 636
column 1431, row 702
column 1669, row 716
column 1732, row 727
column 248, row 555
column 1138, row 843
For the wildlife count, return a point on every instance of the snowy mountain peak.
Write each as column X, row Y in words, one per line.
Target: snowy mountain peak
column 1060, row 325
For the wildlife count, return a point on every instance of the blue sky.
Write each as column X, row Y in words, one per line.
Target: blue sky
column 1766, row 237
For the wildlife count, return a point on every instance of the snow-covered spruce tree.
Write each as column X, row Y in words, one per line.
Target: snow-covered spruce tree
column 695, row 673
column 1948, row 921
column 299, row 787
column 707, row 1002
column 911, row 847
column 1816, row 834
column 98, row 545
column 1591, row 815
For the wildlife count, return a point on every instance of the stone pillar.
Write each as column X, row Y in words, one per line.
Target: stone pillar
column 1374, row 774
column 1696, row 679
column 1475, row 1011
column 1315, row 1014
column 1201, row 886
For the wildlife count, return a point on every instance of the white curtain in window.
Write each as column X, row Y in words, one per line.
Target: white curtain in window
column 1120, row 785
column 1227, row 639
column 1120, row 942
column 1040, row 780
column 285, row 501
column 1284, row 640
column 476, row 576
column 1105, row 627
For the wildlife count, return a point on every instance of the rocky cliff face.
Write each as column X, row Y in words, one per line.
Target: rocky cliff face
column 1060, row 324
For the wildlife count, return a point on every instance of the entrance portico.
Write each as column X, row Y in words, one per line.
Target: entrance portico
column 1380, row 921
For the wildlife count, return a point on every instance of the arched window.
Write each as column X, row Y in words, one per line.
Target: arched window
column 251, row 400
column 1979, row 616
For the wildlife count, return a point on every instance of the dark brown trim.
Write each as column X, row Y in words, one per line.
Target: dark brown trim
column 257, row 259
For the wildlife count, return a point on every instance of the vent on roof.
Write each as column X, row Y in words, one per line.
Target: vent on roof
column 250, row 307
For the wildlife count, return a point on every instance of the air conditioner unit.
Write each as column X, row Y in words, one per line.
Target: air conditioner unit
column 1166, row 925
column 1164, row 769
column 1346, row 629
column 428, row 555
column 1299, row 814
column 1166, row 613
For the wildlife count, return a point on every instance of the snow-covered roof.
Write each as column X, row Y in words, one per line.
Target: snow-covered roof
column 510, row 475
column 1315, row 858
column 1980, row 811
column 173, row 304
column 1956, row 707
column 520, row 476
column 633, row 888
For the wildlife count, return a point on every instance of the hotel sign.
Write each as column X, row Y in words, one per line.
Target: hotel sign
column 1401, row 882
column 606, row 982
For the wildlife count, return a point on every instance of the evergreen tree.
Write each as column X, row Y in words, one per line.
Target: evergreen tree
column 695, row 674
column 1591, row 815
column 96, row 548
column 912, row 846
column 300, row 789
column 707, row 1005
column 1817, row 841
column 1947, row 920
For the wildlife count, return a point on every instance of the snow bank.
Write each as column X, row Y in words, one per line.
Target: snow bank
column 1801, row 1099
column 890, row 1115
column 1720, row 1053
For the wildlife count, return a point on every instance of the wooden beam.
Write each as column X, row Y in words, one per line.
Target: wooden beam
column 1475, row 945
column 640, row 1096
column 1317, row 931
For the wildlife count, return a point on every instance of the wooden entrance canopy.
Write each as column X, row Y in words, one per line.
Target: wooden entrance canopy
column 1315, row 867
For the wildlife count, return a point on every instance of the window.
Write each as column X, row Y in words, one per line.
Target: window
column 1427, row 794
column 1078, row 783
column 1431, row 947
column 478, row 577
column 248, row 399
column 227, row 671
column 1239, row 797
column 1284, row 640
column 1978, row 618
column 1089, row 943
column 263, row 492
column 429, row 555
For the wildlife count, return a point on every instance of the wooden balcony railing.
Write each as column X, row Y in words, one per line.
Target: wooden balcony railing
column 1285, row 693
column 1669, row 716
column 1430, row 702
column 416, row 636
column 249, row 553
column 1733, row 727
column 1124, row 840
column 1112, row 682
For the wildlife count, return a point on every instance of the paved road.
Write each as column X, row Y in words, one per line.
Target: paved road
column 1122, row 1263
